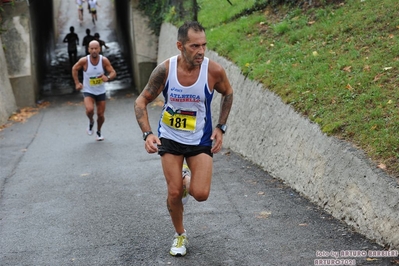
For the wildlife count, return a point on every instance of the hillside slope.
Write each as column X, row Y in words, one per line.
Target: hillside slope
column 336, row 64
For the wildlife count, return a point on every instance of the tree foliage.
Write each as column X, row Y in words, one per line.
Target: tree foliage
column 155, row 10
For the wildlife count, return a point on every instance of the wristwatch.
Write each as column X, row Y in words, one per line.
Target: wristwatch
column 223, row 128
column 109, row 78
column 145, row 134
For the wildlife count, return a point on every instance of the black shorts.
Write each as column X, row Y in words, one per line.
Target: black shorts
column 175, row 148
column 97, row 98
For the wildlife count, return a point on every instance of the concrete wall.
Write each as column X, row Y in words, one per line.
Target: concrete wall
column 144, row 47
column 56, row 17
column 7, row 100
column 331, row 173
column 17, row 48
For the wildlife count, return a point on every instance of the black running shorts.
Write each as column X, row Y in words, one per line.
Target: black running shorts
column 97, row 98
column 175, row 148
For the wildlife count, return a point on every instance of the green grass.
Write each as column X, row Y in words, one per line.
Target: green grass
column 337, row 64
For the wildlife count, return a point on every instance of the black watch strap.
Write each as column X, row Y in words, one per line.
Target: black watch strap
column 223, row 128
column 146, row 134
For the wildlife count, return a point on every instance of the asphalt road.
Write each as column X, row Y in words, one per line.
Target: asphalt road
column 66, row 199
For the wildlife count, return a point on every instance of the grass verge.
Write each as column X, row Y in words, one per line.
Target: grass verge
column 337, row 64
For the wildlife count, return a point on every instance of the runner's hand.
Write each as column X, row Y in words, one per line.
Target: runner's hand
column 78, row 86
column 151, row 143
column 217, row 137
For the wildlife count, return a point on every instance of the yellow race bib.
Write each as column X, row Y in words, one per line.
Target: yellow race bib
column 185, row 120
column 95, row 81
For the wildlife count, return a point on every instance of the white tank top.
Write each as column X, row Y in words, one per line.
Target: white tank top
column 186, row 115
column 79, row 4
column 92, row 4
column 92, row 82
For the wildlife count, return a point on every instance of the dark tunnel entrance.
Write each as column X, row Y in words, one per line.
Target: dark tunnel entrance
column 53, row 69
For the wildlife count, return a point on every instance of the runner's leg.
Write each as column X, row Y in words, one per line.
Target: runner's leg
column 172, row 165
column 201, row 176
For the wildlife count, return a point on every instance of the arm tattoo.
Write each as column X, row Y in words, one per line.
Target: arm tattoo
column 153, row 88
column 156, row 82
column 139, row 114
column 225, row 106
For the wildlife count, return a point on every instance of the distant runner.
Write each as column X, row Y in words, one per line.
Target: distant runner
column 97, row 69
column 93, row 10
column 79, row 3
column 73, row 41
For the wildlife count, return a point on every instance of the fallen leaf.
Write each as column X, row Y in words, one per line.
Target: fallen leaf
column 348, row 68
column 377, row 77
column 253, row 182
column 263, row 215
column 261, row 193
column 371, row 259
column 382, row 166
column 349, row 87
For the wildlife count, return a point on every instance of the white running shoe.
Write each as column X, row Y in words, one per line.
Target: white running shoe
column 99, row 136
column 186, row 175
column 89, row 129
column 179, row 245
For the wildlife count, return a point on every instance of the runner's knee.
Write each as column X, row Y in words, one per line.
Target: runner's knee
column 199, row 195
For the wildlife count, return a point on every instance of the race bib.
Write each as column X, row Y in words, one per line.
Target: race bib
column 95, row 81
column 179, row 119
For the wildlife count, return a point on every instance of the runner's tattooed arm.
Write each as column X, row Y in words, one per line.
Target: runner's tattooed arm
column 154, row 87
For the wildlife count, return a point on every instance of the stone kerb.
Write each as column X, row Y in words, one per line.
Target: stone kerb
column 329, row 172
